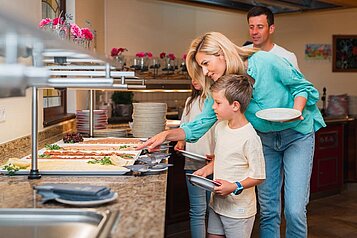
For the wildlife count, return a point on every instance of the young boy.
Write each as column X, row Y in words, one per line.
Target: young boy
column 239, row 161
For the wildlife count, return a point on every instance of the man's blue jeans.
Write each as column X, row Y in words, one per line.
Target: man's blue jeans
column 288, row 156
column 199, row 199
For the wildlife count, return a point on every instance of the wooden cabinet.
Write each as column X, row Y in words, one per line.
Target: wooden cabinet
column 327, row 172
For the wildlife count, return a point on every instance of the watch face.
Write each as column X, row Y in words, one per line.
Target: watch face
column 238, row 191
column 239, row 188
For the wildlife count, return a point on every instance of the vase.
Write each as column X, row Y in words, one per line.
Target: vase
column 120, row 59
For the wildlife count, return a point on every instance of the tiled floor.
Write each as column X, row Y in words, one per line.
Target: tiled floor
column 330, row 217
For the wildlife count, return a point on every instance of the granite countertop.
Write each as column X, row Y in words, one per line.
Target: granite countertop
column 141, row 201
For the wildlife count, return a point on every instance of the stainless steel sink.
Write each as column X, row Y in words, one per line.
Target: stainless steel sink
column 56, row 223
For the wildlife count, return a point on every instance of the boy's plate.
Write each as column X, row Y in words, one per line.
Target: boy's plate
column 278, row 114
column 202, row 182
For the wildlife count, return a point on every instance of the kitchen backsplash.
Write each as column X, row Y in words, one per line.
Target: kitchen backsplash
column 22, row 146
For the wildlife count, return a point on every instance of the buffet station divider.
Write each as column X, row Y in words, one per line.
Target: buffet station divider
column 68, row 66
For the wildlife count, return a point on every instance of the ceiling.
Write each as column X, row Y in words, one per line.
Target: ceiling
column 277, row 6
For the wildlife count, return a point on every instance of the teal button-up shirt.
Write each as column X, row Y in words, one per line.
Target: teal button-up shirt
column 276, row 85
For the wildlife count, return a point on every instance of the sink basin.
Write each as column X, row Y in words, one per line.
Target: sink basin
column 51, row 223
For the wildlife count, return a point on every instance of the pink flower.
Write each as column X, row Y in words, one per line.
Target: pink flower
column 184, row 56
column 162, row 55
column 121, row 50
column 117, row 51
column 44, row 22
column 57, row 21
column 149, row 54
column 76, row 31
column 171, row 56
column 140, row 54
column 87, row 34
column 114, row 52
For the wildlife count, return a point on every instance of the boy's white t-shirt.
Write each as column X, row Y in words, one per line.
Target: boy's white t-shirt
column 238, row 155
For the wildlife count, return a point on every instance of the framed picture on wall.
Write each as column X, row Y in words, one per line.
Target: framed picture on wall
column 344, row 53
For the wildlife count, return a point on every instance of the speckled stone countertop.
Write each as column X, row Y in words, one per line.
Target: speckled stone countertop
column 141, row 201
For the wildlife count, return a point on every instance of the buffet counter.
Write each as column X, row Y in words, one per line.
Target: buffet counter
column 141, row 200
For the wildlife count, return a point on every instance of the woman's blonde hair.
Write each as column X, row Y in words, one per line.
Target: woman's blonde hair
column 215, row 43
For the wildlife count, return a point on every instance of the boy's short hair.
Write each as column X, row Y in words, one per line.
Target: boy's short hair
column 258, row 11
column 236, row 88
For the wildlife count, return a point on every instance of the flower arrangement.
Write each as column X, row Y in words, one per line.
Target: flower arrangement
column 117, row 54
column 66, row 30
column 169, row 61
column 169, row 56
column 117, row 51
column 144, row 54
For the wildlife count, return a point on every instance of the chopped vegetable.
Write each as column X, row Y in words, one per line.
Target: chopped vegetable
column 52, row 147
column 11, row 169
column 105, row 161
column 44, row 156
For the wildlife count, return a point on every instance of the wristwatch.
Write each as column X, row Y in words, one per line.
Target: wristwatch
column 239, row 188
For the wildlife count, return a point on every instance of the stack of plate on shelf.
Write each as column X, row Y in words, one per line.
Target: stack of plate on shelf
column 148, row 119
column 100, row 120
column 110, row 132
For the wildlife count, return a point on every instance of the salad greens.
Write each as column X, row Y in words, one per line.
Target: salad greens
column 11, row 169
column 105, row 161
column 52, row 147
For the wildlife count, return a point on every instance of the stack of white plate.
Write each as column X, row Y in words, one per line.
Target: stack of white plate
column 100, row 120
column 110, row 132
column 148, row 119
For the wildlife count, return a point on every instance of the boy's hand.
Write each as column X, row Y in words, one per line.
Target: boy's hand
column 225, row 189
column 180, row 145
column 200, row 172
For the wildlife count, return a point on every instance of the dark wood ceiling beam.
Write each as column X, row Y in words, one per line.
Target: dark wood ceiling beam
column 343, row 3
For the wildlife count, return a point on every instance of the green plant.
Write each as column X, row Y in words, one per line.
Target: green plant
column 121, row 97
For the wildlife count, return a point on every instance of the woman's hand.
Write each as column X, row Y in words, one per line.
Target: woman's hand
column 225, row 188
column 299, row 104
column 153, row 142
column 170, row 135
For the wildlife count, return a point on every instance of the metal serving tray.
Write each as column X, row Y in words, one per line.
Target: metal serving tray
column 54, row 223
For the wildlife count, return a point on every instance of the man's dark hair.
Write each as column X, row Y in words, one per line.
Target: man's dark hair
column 258, row 11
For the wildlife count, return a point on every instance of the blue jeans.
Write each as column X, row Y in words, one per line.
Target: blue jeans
column 199, row 200
column 288, row 156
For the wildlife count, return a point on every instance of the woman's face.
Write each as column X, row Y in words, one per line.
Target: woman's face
column 212, row 66
column 196, row 84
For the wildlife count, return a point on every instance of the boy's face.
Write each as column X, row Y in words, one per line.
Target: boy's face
column 221, row 106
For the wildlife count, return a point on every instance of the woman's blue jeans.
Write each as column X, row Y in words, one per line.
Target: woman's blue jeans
column 199, row 199
column 289, row 157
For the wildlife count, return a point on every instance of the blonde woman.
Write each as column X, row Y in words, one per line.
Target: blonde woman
column 288, row 147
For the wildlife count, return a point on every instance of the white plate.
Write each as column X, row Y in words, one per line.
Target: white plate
column 157, row 170
column 87, row 203
column 278, row 114
column 193, row 155
column 202, row 182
